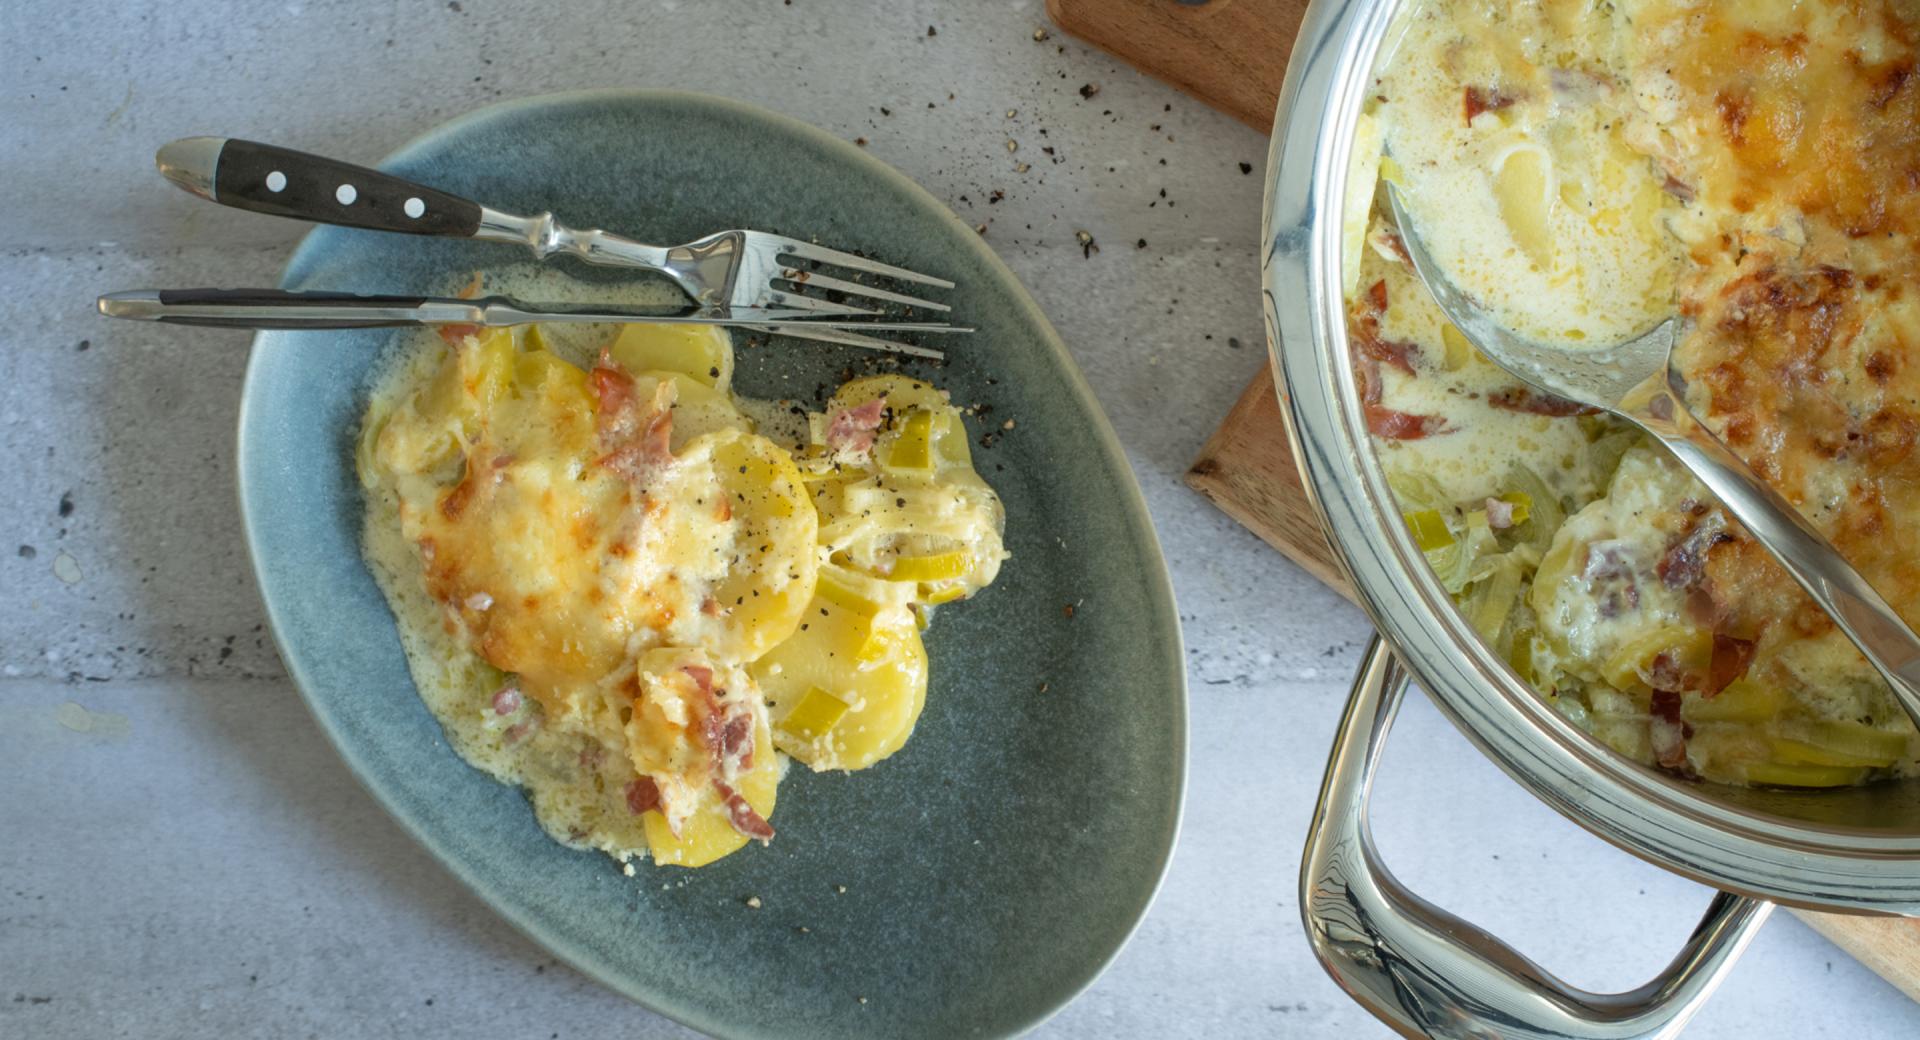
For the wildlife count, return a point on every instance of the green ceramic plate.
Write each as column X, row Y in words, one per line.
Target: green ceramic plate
column 993, row 867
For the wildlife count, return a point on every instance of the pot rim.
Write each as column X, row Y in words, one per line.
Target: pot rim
column 1664, row 820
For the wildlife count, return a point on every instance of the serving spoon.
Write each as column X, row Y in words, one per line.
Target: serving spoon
column 1636, row 381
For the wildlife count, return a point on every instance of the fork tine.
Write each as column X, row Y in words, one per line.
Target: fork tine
column 821, row 308
column 854, row 339
column 809, row 251
column 820, row 281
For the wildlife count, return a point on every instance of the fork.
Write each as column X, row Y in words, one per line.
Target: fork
column 738, row 268
column 1636, row 381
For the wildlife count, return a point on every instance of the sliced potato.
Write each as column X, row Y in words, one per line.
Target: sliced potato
column 1685, row 649
column 919, row 514
column 698, row 408
column 1523, row 185
column 903, row 394
column 702, row 352
column 845, row 690
column 776, row 559
column 708, row 833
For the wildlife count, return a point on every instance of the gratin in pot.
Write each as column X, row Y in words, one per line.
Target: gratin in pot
column 1424, row 972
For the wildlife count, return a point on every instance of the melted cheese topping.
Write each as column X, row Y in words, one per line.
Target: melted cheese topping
column 611, row 588
column 1754, row 166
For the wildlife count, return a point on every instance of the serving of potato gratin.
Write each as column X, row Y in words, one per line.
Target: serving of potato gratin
column 625, row 588
column 1586, row 168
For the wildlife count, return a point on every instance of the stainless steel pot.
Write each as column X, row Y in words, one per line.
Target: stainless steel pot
column 1422, row 971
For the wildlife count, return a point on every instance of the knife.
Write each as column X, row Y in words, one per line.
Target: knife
column 284, row 309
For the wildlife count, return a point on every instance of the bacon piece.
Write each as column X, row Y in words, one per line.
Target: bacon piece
column 1386, row 351
column 1608, row 571
column 1392, row 425
column 736, row 741
column 1669, row 743
column 1886, row 84
column 1664, row 673
column 1730, row 660
column 713, row 734
column 713, row 721
column 1668, row 733
column 507, row 701
column 1524, row 399
column 728, row 738
column 854, row 429
column 612, row 387
column 634, row 439
column 454, row 334
column 1370, row 351
column 643, row 794
column 1734, row 109
column 457, row 498
column 1387, row 423
column 701, row 675
column 1879, row 367
column 1684, row 564
column 1476, row 100
column 1398, row 246
column 742, row 816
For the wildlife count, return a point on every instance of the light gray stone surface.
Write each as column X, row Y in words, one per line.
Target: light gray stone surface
column 194, row 769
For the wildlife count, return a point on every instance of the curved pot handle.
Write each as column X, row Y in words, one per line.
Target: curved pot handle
column 1427, row 973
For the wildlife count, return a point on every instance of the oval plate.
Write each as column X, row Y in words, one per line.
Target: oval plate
column 993, row 867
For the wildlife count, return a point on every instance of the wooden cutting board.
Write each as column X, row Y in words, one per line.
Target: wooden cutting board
column 1232, row 55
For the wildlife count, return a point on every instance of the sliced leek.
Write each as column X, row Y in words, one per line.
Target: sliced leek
column 914, row 448
column 816, row 714
column 1522, row 504
column 1783, row 774
column 937, row 567
column 1743, row 701
column 1429, row 530
column 933, row 597
column 1490, row 602
column 1841, row 743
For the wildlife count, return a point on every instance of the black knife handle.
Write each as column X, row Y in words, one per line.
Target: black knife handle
column 281, row 182
column 284, row 298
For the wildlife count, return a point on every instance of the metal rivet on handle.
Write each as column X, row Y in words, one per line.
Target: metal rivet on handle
column 276, row 181
column 413, row 208
column 345, row 194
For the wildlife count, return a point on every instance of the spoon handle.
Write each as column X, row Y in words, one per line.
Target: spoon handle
column 1866, row 618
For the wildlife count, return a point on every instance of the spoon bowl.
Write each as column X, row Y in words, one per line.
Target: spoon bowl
column 1636, row 381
